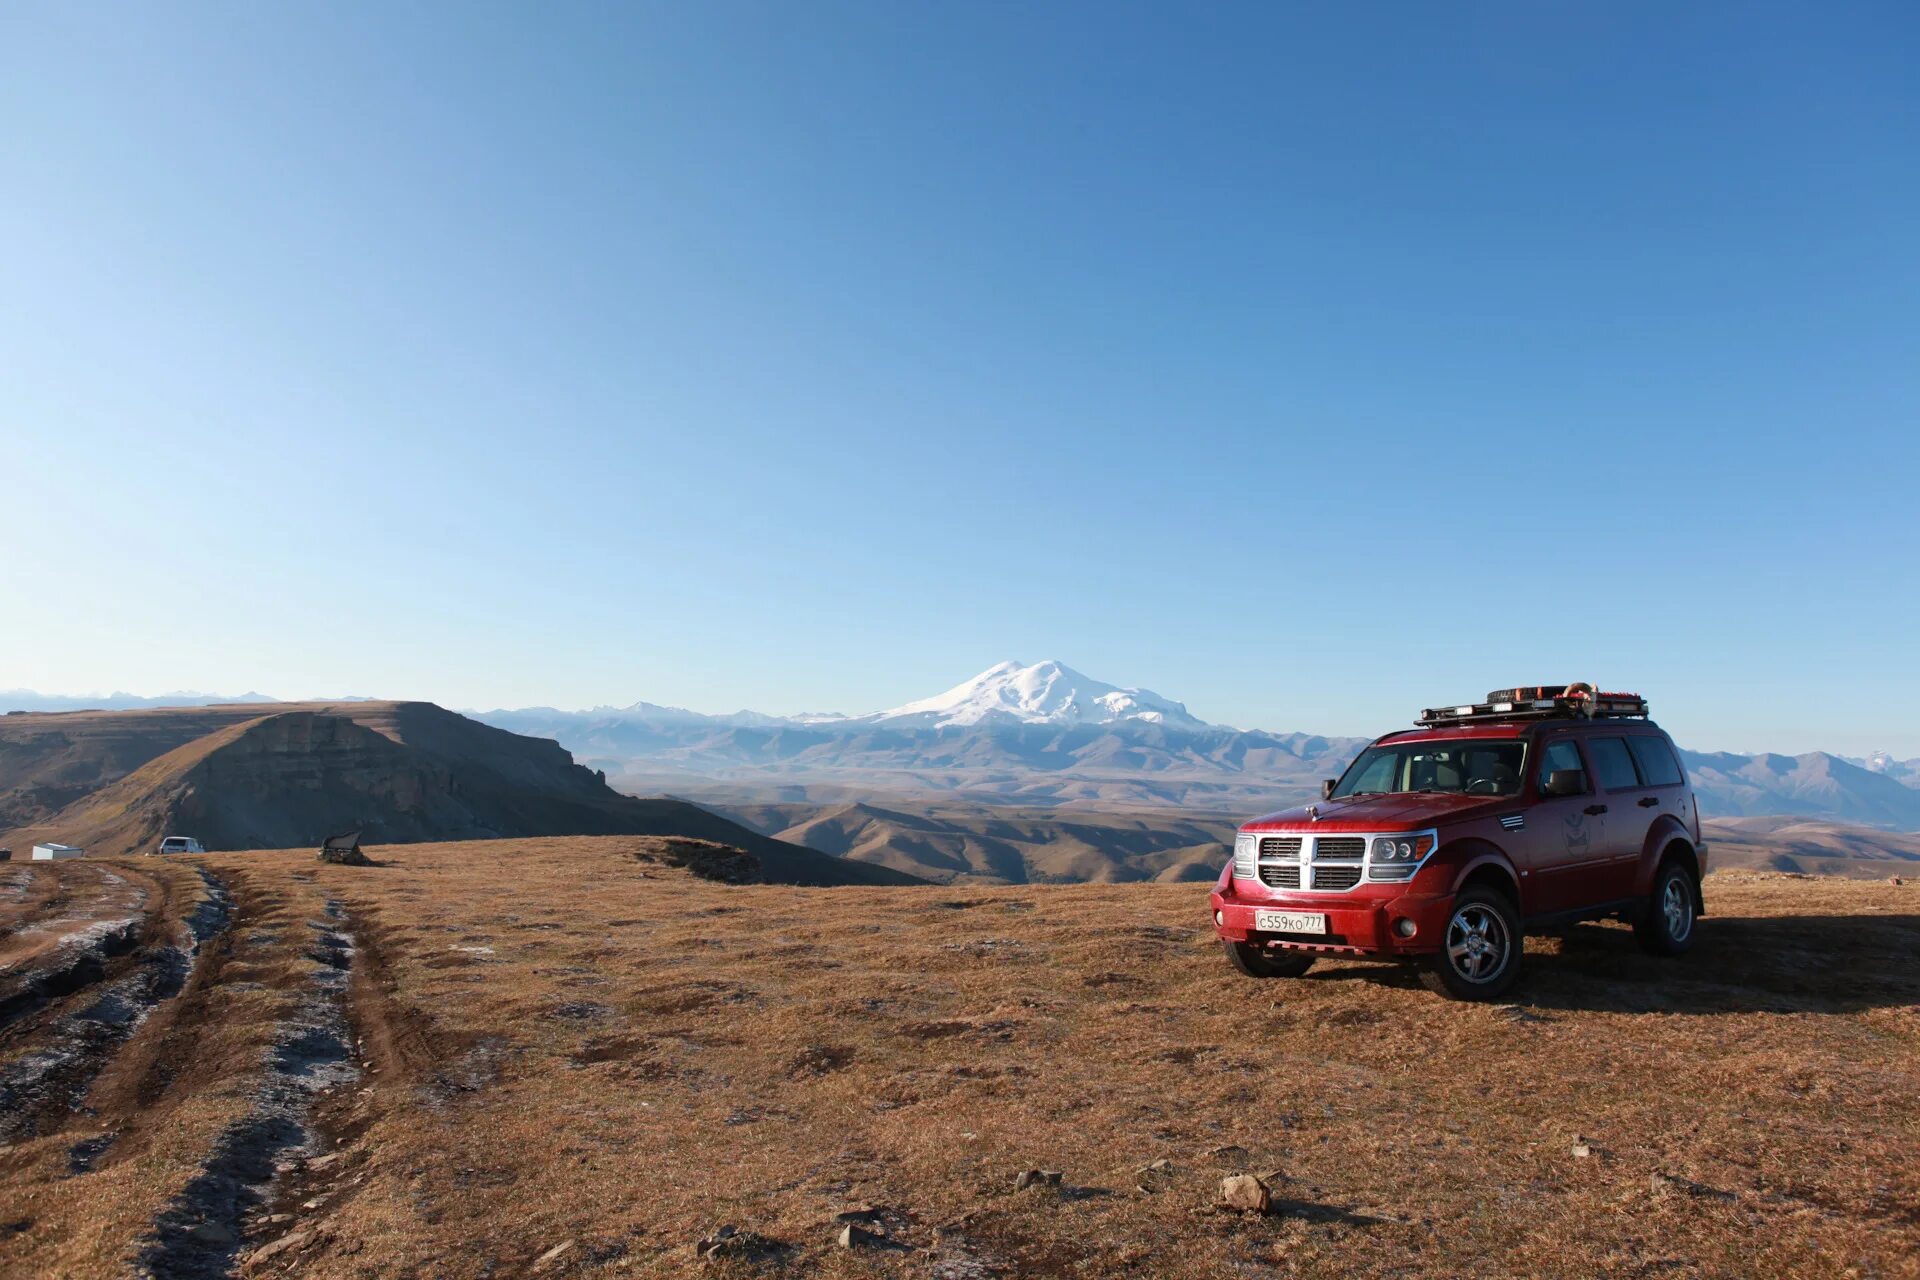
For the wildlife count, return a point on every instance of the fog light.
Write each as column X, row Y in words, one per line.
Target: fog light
column 1405, row 928
column 1219, row 917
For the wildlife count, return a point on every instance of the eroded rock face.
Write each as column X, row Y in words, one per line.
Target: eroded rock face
column 280, row 776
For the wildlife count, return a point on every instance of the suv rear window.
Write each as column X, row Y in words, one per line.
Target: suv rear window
column 1613, row 763
column 1657, row 764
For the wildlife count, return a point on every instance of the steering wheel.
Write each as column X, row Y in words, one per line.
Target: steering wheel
column 1484, row 787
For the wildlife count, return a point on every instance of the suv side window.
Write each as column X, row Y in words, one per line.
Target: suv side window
column 1656, row 761
column 1614, row 764
column 1561, row 754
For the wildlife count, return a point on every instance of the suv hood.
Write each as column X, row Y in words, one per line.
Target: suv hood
column 1404, row 811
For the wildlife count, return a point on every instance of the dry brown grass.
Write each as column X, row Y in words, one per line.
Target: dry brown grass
column 567, row 1044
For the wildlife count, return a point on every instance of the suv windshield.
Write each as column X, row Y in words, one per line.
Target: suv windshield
column 1476, row 767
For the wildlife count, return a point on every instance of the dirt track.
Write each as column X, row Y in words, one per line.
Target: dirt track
column 477, row 1056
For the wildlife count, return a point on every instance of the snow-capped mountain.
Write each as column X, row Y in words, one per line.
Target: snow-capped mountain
column 1906, row 772
column 1046, row 693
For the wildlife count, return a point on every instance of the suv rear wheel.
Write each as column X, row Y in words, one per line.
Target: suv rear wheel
column 1257, row 962
column 1479, row 956
column 1665, row 928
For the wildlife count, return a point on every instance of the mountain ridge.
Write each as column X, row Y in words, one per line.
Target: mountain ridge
column 287, row 774
column 1046, row 733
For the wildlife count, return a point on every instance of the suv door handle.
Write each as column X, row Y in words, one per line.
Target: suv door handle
column 1649, row 802
column 1595, row 810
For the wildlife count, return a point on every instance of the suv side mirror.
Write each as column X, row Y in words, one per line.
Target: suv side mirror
column 1326, row 787
column 1567, row 782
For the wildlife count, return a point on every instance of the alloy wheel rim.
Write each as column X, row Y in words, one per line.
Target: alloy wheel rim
column 1477, row 943
column 1678, row 908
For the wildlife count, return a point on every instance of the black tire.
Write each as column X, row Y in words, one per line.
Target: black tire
column 1666, row 924
column 1480, row 948
column 1258, row 963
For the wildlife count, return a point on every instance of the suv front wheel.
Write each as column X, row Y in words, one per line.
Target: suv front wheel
column 1479, row 956
column 1257, row 962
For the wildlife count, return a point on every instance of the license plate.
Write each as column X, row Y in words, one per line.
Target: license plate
column 1289, row 922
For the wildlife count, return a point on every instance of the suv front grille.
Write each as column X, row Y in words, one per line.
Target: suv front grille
column 1280, row 877
column 1310, row 863
column 1336, row 877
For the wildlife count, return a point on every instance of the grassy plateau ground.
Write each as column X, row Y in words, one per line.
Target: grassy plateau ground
column 565, row 1057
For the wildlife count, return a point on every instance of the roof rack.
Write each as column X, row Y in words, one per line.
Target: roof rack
column 1577, row 701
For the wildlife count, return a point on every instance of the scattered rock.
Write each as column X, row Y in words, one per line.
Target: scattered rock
column 1663, row 1184
column 217, row 1234
column 553, row 1255
column 321, row 1162
column 1027, row 1178
column 819, row 1060
column 347, row 857
column 1245, row 1192
column 960, row 1265
column 854, row 1236
column 1154, row 1177
column 1514, row 1013
column 730, row 1241
column 285, row 1244
column 579, row 1011
column 1581, row 1148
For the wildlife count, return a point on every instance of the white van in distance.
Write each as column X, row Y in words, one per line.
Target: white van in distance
column 180, row 844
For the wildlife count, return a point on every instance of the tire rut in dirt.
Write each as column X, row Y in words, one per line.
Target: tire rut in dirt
column 200, row 1234
column 40, row 1089
column 75, row 938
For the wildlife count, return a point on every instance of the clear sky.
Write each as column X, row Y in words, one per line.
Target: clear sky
column 1308, row 363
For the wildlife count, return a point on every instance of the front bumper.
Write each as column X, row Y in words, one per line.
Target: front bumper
column 1360, row 922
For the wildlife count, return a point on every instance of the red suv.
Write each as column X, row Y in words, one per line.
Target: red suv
column 1446, row 844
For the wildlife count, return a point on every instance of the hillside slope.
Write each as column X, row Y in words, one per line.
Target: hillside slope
column 941, row 839
column 272, row 777
column 947, row 838
column 1812, row 846
column 553, row 1059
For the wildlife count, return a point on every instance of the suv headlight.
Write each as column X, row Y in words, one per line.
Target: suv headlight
column 1245, row 848
column 1401, row 850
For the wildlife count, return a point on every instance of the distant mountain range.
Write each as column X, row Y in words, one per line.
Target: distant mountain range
column 1045, row 734
column 27, row 700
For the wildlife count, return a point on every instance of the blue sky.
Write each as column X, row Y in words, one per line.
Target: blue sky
column 1309, row 364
